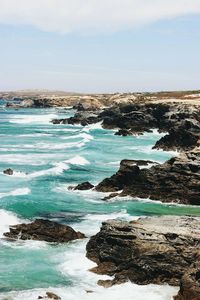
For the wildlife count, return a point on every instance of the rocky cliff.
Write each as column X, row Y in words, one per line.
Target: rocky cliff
column 150, row 250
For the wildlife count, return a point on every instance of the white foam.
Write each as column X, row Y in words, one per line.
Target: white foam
column 80, row 135
column 125, row 291
column 58, row 169
column 32, row 119
column 148, row 150
column 7, row 219
column 17, row 192
column 33, row 159
column 94, row 126
column 78, row 160
column 32, row 135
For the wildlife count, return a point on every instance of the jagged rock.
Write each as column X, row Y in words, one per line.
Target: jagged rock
column 50, row 295
column 44, row 230
column 8, row 171
column 84, row 186
column 150, row 250
column 177, row 180
column 181, row 121
column 123, row 132
column 60, row 121
column 190, row 284
column 26, row 103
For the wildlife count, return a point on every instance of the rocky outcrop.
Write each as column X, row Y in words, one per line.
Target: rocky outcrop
column 26, row 103
column 154, row 250
column 84, row 186
column 190, row 284
column 180, row 122
column 177, row 180
column 44, row 230
column 50, row 295
column 8, row 171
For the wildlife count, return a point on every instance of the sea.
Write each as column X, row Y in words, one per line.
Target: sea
column 47, row 159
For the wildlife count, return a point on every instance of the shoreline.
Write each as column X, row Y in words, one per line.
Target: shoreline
column 84, row 115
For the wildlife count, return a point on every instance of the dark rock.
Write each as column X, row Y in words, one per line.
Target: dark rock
column 177, row 180
column 154, row 250
column 190, row 284
column 8, row 171
column 84, row 186
column 50, row 295
column 123, row 132
column 179, row 120
column 44, row 230
column 60, row 121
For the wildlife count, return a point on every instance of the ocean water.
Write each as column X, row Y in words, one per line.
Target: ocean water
column 47, row 159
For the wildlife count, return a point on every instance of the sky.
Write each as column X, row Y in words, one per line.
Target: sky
column 100, row 46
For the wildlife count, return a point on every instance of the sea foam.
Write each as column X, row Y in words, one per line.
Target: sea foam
column 17, row 192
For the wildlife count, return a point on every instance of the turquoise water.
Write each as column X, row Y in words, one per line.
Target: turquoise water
column 47, row 159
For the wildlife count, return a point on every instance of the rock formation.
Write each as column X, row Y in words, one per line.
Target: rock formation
column 84, row 186
column 177, row 180
column 150, row 250
column 8, row 171
column 44, row 230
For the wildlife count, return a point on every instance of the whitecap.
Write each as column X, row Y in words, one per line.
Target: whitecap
column 59, row 168
column 35, row 119
column 17, row 192
column 78, row 160
column 91, row 127
column 7, row 219
column 117, row 292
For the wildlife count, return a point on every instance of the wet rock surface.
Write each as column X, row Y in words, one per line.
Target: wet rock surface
column 190, row 284
column 8, row 171
column 44, row 230
column 177, row 180
column 84, row 186
column 180, row 122
column 150, row 250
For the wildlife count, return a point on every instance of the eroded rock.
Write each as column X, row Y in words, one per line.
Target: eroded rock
column 44, row 230
column 8, row 171
column 150, row 250
column 84, row 186
column 177, row 180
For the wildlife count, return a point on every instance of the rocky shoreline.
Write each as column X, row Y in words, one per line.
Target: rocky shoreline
column 177, row 180
column 154, row 250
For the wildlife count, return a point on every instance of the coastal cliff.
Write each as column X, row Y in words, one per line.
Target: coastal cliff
column 150, row 250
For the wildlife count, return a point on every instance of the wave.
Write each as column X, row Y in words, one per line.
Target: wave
column 94, row 126
column 78, row 160
column 34, row 159
column 7, row 219
column 31, row 135
column 17, row 192
column 148, row 150
column 117, row 292
column 32, row 119
column 59, row 168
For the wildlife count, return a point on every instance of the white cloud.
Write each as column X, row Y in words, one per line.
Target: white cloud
column 92, row 16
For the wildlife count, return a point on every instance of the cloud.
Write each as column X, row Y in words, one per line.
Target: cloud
column 92, row 16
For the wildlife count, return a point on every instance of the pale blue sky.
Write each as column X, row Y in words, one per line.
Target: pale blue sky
column 159, row 55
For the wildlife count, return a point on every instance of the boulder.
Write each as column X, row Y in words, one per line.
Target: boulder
column 8, row 171
column 44, row 230
column 50, row 295
column 152, row 250
column 84, row 186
